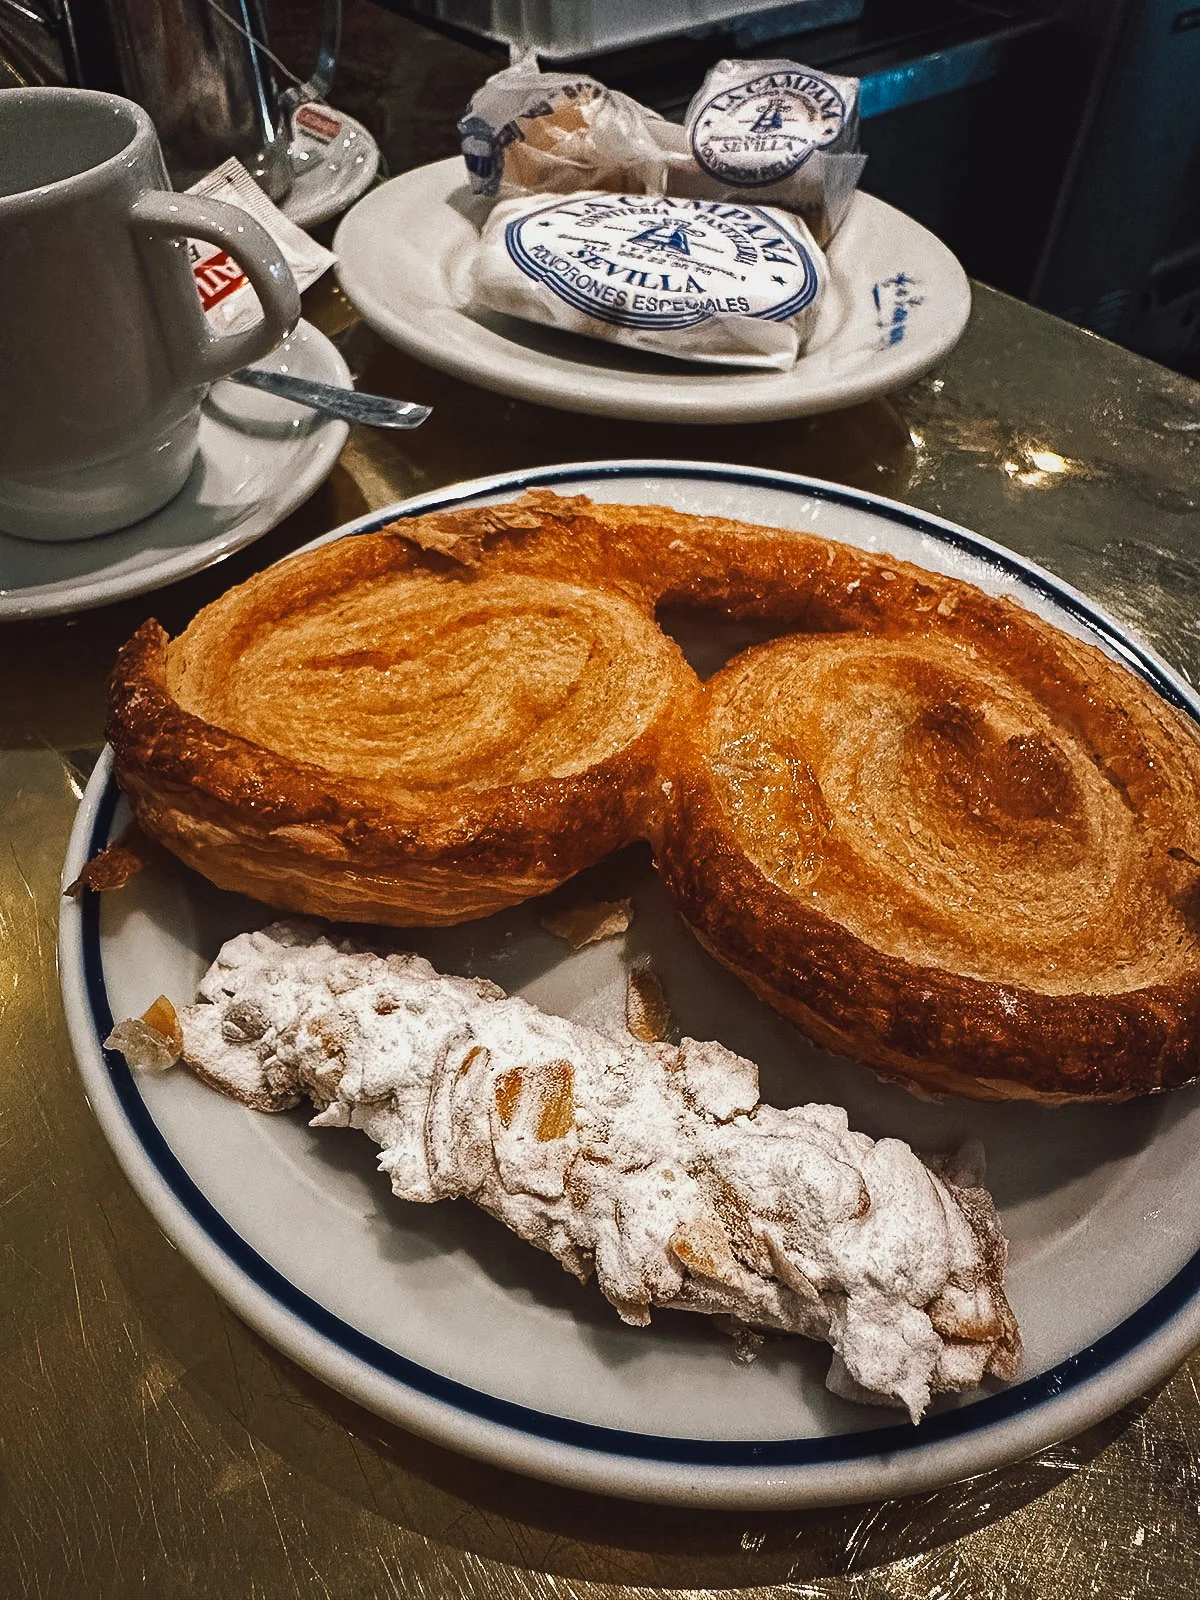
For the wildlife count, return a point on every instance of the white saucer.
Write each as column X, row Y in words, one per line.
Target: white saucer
column 259, row 458
column 331, row 172
column 897, row 302
column 444, row 1323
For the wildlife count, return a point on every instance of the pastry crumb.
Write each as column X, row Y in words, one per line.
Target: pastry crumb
column 587, row 924
column 113, row 867
column 153, row 1041
column 647, row 1014
column 747, row 1341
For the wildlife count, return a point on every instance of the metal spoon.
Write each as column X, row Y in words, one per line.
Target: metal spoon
column 374, row 409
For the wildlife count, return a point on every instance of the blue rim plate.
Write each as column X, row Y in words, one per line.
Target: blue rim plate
column 1105, row 1270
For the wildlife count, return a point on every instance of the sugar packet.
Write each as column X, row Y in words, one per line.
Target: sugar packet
column 314, row 128
column 700, row 280
column 225, row 292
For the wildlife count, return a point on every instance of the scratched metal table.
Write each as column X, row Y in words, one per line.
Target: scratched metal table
column 153, row 1445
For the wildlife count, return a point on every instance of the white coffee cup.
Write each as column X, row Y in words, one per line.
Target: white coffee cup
column 105, row 353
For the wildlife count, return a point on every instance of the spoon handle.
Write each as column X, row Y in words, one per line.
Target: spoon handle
column 375, row 410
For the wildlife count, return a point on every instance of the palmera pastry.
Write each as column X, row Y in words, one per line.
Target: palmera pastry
column 955, row 843
column 940, row 834
column 653, row 1168
column 382, row 732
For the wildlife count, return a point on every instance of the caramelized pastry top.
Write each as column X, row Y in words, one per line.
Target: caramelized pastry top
column 935, row 806
column 417, row 680
column 419, row 725
column 939, row 833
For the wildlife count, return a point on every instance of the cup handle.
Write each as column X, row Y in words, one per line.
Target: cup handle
column 173, row 219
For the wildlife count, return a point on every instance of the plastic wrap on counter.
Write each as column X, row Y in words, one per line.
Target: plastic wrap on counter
column 699, row 280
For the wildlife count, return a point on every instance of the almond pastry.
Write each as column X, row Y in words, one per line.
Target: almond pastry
column 940, row 834
column 653, row 1168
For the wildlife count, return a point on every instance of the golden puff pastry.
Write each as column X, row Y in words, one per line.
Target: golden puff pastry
column 954, row 843
column 940, row 834
column 388, row 733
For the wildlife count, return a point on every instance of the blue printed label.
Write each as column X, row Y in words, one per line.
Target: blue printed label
column 762, row 131
column 895, row 299
column 653, row 261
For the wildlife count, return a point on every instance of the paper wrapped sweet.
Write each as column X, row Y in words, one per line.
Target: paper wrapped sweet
column 773, row 132
column 769, row 132
column 532, row 132
column 701, row 280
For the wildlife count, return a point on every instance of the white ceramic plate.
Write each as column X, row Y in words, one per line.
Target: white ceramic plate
column 329, row 177
column 897, row 302
column 439, row 1319
column 260, row 457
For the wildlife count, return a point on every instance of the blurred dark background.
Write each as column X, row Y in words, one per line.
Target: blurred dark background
column 1054, row 146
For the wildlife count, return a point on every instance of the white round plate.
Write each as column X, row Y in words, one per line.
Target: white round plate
column 440, row 1320
column 896, row 303
column 329, row 177
column 260, row 457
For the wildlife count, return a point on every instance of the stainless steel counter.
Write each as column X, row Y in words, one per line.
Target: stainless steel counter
column 153, row 1445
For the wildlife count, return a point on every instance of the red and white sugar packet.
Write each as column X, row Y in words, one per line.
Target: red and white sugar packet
column 314, row 126
column 223, row 287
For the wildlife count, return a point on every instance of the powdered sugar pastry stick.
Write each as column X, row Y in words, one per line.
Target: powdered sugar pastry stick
column 652, row 1166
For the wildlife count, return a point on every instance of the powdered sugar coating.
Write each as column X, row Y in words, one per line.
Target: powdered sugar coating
column 654, row 1167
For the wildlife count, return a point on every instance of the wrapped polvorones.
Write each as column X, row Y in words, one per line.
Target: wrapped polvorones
column 702, row 240
column 700, row 280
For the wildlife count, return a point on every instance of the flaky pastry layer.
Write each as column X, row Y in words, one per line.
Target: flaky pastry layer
column 381, row 732
column 937, row 832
